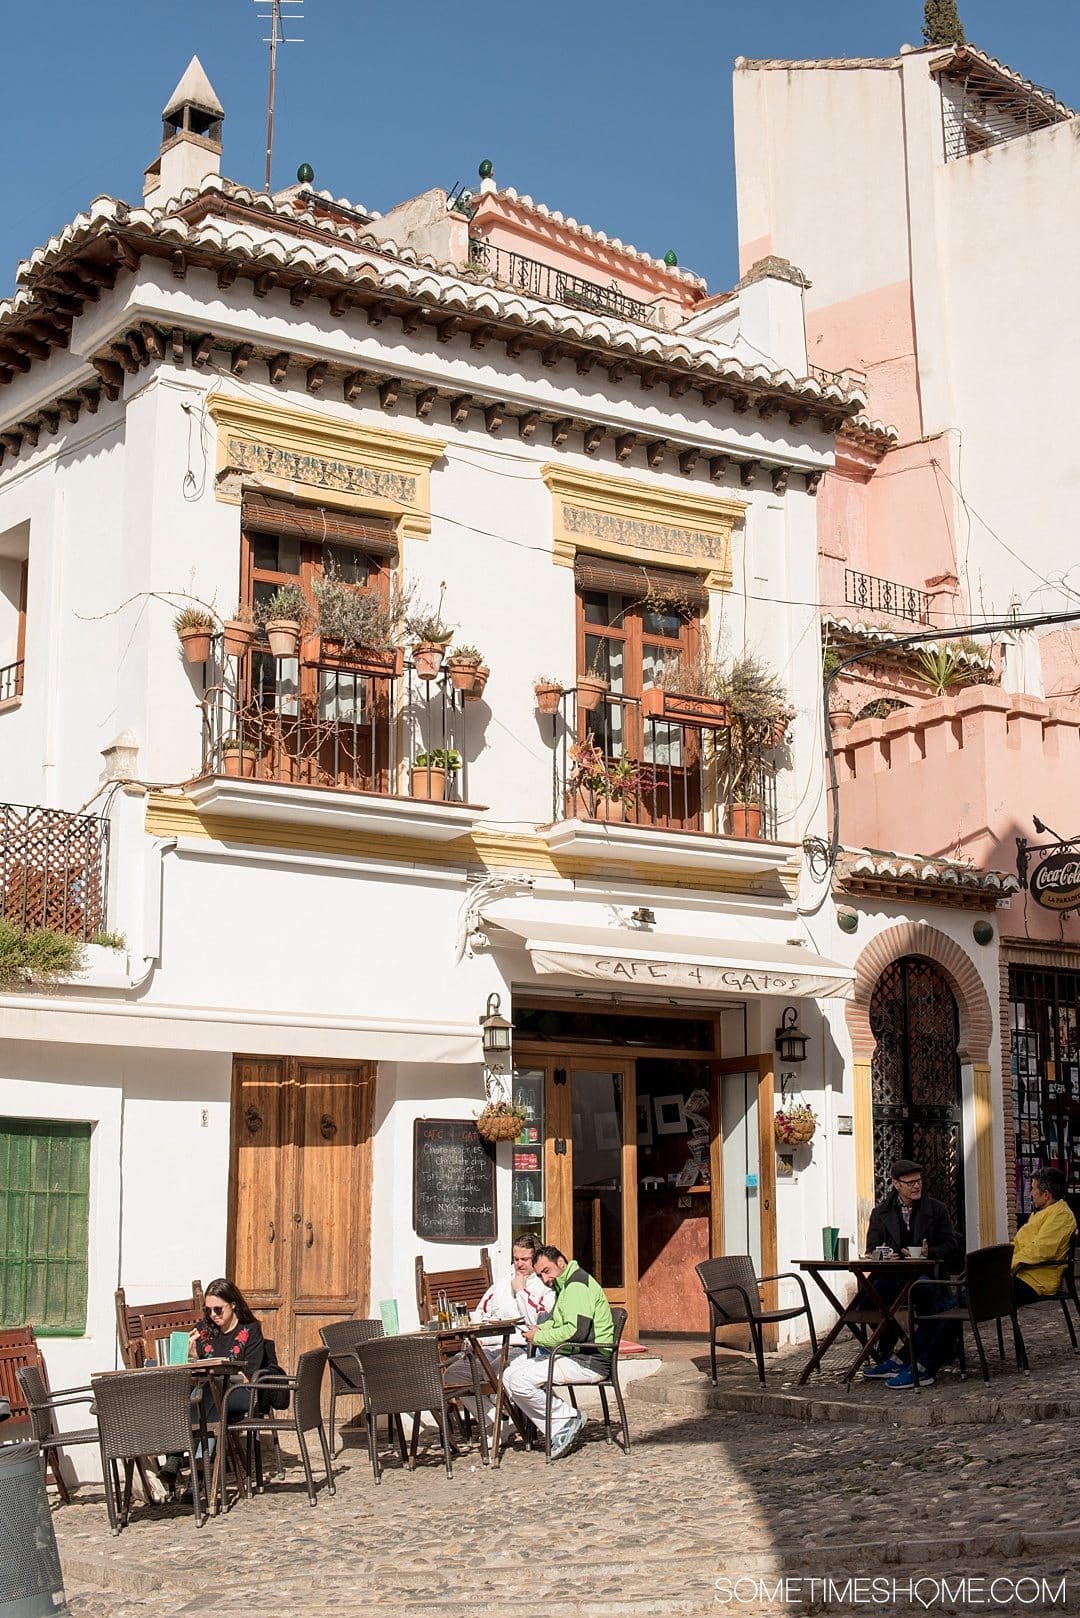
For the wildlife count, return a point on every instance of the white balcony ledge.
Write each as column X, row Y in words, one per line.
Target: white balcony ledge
column 228, row 797
column 654, row 845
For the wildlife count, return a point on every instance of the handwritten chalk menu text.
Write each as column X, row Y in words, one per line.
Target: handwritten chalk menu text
column 453, row 1182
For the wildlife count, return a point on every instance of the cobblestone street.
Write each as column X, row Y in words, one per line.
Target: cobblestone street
column 702, row 1497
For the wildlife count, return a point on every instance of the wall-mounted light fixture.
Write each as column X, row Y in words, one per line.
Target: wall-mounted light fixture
column 643, row 917
column 791, row 1042
column 495, row 1032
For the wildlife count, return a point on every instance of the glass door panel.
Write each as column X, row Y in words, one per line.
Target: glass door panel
column 739, row 1155
column 527, row 1167
column 597, row 1134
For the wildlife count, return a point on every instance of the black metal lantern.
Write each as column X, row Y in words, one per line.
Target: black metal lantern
column 495, row 1031
column 791, row 1042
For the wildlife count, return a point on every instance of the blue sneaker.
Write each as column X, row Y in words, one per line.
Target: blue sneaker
column 887, row 1367
column 905, row 1379
column 566, row 1435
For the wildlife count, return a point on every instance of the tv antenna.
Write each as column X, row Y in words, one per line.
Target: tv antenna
column 282, row 13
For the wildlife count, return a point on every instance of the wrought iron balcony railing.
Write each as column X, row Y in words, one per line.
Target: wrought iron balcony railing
column 712, row 775
column 54, row 869
column 884, row 595
column 349, row 726
column 11, row 681
column 545, row 281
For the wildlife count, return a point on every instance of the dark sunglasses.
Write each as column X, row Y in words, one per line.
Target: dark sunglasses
column 216, row 1308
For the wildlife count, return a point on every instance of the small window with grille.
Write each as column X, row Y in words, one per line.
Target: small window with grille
column 44, row 1224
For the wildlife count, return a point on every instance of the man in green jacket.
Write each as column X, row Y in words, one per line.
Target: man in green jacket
column 580, row 1322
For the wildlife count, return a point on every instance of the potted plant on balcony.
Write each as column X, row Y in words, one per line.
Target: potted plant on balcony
column 468, row 672
column 361, row 628
column 841, row 712
column 687, row 692
column 605, row 789
column 239, row 758
column 760, row 715
column 429, row 772
column 549, row 692
column 432, row 635
column 239, row 632
column 592, row 688
column 195, row 627
column 283, row 617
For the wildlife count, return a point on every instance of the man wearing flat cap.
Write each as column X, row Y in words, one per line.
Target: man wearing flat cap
column 907, row 1222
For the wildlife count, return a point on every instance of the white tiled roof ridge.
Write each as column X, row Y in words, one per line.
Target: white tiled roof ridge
column 880, row 632
column 863, row 423
column 599, row 236
column 924, row 867
column 405, row 273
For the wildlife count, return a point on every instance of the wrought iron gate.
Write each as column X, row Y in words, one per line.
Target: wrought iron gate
column 915, row 1080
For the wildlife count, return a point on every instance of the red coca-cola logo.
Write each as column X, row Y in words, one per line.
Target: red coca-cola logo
column 1055, row 884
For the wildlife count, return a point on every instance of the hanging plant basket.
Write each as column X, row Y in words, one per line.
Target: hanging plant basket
column 500, row 1121
column 795, row 1126
column 591, row 691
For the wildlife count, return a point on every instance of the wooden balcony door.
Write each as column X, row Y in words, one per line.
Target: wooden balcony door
column 300, row 1194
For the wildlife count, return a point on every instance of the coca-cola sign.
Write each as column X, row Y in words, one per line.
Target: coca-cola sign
column 1055, row 884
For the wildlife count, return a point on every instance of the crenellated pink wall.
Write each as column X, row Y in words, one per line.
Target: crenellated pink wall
column 961, row 776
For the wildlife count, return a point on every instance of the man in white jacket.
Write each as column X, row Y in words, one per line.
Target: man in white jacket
column 520, row 1294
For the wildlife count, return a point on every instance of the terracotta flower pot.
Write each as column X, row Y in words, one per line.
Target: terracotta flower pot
column 707, row 713
column 746, row 820
column 841, row 719
column 240, row 762
column 428, row 659
column 591, row 691
column 239, row 637
column 284, row 637
column 468, row 678
column 548, row 698
column 652, row 702
column 196, row 645
column 430, row 784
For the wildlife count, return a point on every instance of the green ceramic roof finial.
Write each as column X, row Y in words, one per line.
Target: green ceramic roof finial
column 305, row 174
column 670, row 260
column 486, row 169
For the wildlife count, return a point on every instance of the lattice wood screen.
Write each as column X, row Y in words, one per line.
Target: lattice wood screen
column 53, row 869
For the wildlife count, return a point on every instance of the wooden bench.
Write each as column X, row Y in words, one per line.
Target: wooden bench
column 142, row 1327
column 460, row 1286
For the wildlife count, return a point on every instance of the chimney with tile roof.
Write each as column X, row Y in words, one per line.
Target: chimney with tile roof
column 190, row 138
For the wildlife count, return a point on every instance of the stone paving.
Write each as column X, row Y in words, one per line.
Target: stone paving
column 705, row 1495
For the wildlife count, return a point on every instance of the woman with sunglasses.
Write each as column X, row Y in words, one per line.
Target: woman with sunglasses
column 227, row 1331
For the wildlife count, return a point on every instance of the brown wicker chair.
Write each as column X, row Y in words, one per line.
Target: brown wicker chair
column 304, row 1416
column 986, row 1295
column 144, row 1413
column 734, row 1293
column 42, row 1406
column 139, row 1323
column 403, row 1376
column 341, row 1338
column 618, row 1320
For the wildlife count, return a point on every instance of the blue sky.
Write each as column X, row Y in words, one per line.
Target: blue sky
column 617, row 112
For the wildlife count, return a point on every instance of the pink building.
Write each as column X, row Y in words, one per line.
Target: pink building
column 944, row 275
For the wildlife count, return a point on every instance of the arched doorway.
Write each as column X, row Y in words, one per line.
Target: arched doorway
column 915, row 1079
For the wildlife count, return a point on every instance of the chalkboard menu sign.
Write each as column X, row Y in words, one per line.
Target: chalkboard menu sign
column 453, row 1182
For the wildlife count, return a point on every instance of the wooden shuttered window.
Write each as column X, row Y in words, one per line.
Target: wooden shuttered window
column 318, row 525
column 44, row 1224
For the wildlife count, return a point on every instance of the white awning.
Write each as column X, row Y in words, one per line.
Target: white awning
column 255, row 1033
column 651, row 960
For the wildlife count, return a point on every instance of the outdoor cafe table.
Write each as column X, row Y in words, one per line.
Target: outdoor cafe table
column 470, row 1335
column 867, row 1307
column 217, row 1374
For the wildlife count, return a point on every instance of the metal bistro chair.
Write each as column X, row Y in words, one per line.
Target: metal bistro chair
column 1066, row 1292
column 144, row 1413
column 342, row 1338
column 734, row 1294
column 42, row 1406
column 618, row 1320
column 986, row 1295
column 403, row 1376
column 305, row 1416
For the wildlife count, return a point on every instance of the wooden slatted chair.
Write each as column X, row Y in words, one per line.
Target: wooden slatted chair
column 460, row 1286
column 136, row 1324
column 18, row 1348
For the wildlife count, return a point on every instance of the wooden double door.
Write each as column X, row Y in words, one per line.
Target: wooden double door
column 300, row 1194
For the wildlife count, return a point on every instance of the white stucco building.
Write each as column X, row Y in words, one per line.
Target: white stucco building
column 587, row 464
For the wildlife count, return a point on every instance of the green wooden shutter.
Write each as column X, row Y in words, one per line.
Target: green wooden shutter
column 44, row 1224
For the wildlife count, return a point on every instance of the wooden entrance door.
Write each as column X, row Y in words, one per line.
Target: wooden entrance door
column 300, row 1194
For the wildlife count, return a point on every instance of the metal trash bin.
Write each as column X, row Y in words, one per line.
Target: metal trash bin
column 31, row 1583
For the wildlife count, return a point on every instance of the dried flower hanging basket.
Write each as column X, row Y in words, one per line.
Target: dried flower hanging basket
column 500, row 1121
column 795, row 1126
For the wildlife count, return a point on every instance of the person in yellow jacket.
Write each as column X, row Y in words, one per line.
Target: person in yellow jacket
column 1042, row 1245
